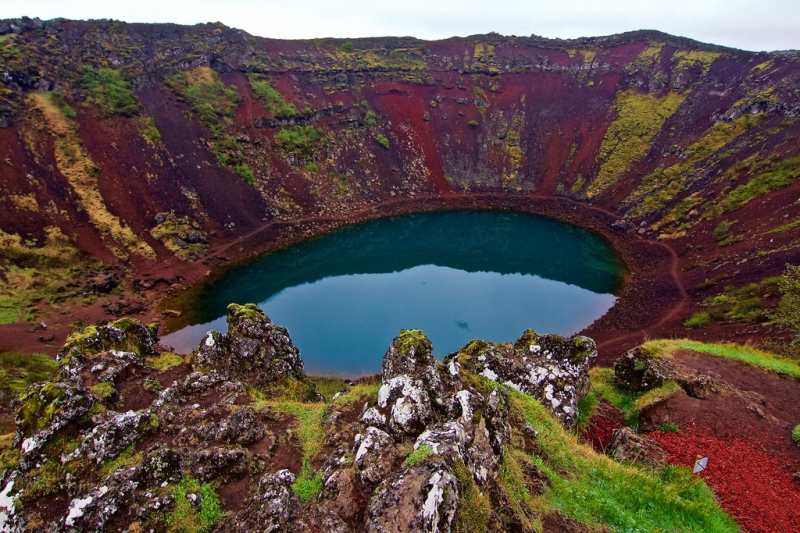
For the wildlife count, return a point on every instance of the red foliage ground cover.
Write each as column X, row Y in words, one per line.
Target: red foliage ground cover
column 750, row 484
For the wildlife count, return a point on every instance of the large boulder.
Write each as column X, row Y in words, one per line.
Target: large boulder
column 551, row 368
column 639, row 371
column 411, row 394
column 254, row 350
column 375, row 456
column 629, row 446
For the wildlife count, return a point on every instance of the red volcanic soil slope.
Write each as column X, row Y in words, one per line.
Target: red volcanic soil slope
column 745, row 431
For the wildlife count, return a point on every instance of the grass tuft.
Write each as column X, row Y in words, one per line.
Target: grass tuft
column 599, row 492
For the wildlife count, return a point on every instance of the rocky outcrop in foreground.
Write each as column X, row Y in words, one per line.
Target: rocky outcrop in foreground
column 127, row 438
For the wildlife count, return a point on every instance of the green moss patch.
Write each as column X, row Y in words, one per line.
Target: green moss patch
column 110, row 91
column 19, row 371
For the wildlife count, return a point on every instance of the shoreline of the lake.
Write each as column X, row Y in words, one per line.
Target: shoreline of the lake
column 650, row 292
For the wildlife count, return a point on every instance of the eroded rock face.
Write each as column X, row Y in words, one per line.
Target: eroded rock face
column 271, row 509
column 375, row 455
column 550, row 368
column 421, row 499
column 629, row 446
column 254, row 349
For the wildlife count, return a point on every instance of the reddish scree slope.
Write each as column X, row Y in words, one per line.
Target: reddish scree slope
column 572, row 129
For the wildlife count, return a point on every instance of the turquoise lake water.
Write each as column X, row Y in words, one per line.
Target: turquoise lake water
column 457, row 275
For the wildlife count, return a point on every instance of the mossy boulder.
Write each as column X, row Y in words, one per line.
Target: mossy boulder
column 255, row 351
column 412, row 394
column 125, row 334
column 638, row 370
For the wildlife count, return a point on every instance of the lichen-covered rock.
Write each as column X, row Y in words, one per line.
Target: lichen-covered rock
column 113, row 433
column 214, row 463
column 408, row 404
column 411, row 354
column 551, row 368
column 480, row 457
column 243, row 426
column 420, row 499
column 254, row 349
column 495, row 412
column 445, row 439
column 270, row 510
column 94, row 510
column 629, row 446
column 411, row 393
column 375, row 455
column 43, row 410
column 638, row 371
column 124, row 335
column 161, row 465
column 373, row 417
column 112, row 365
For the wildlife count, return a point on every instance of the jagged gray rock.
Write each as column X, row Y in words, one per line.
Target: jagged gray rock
column 113, row 433
column 375, row 456
column 271, row 509
column 254, row 349
column 550, row 368
column 412, row 393
column 420, row 499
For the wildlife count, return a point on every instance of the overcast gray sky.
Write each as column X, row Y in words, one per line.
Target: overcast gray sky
column 746, row 24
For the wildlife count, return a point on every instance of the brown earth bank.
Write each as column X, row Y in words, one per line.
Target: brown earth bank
column 690, row 150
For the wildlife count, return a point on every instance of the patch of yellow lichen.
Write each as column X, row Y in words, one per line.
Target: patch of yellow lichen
column 25, row 202
column 646, row 59
column 664, row 185
column 36, row 270
column 514, row 151
column 200, row 75
column 75, row 164
column 687, row 59
column 639, row 118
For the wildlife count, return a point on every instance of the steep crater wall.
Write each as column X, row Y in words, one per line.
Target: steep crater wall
column 169, row 150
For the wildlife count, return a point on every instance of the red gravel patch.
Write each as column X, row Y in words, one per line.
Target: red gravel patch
column 605, row 419
column 750, row 484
